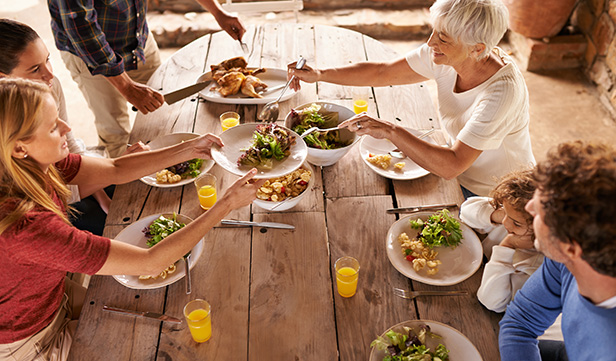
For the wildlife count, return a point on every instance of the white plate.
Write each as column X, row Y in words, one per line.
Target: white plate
column 460, row 348
column 165, row 141
column 239, row 138
column 272, row 77
column 457, row 265
column 133, row 234
column 383, row 146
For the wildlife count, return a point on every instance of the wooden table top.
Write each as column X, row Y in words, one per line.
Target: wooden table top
column 272, row 292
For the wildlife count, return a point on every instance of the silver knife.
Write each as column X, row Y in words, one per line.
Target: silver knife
column 420, row 208
column 154, row 315
column 182, row 93
column 257, row 224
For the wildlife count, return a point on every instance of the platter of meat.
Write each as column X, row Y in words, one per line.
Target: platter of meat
column 236, row 83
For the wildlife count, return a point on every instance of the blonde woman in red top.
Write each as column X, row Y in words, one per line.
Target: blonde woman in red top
column 39, row 245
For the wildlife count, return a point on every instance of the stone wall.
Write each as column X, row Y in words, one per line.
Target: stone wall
column 184, row 6
column 596, row 19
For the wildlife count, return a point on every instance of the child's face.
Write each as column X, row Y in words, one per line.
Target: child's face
column 515, row 221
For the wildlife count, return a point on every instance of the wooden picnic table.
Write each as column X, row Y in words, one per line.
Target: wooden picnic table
column 272, row 291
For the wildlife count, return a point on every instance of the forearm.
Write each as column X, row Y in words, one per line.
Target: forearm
column 97, row 173
column 361, row 74
column 212, row 6
column 445, row 162
column 121, row 82
column 131, row 260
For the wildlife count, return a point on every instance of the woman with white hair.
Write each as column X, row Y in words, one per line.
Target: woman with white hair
column 483, row 100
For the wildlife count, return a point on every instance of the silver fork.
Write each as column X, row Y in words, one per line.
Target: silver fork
column 412, row 294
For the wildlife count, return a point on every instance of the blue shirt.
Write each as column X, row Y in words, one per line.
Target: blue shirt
column 108, row 35
column 588, row 330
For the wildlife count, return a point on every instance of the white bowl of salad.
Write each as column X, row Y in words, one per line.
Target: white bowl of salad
column 285, row 192
column 323, row 148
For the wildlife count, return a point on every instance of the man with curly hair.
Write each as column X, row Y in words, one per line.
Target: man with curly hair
column 573, row 209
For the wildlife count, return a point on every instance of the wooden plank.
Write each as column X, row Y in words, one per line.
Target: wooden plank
column 127, row 211
column 291, row 311
column 357, row 227
column 221, row 277
column 96, row 325
column 336, row 47
column 283, row 44
column 430, row 189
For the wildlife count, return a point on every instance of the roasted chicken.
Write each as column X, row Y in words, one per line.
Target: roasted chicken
column 252, row 85
column 230, row 83
column 233, row 76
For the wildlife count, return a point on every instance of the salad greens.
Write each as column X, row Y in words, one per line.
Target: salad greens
column 441, row 229
column 269, row 142
column 410, row 346
column 311, row 117
column 160, row 228
column 189, row 168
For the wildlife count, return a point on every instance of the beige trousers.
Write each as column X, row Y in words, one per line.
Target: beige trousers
column 54, row 341
column 108, row 105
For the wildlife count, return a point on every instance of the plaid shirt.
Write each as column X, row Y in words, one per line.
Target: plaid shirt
column 108, row 35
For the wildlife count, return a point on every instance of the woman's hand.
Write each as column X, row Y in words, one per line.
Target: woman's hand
column 363, row 123
column 243, row 191
column 203, row 145
column 307, row 74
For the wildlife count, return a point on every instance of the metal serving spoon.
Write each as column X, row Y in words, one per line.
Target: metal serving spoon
column 269, row 113
column 397, row 153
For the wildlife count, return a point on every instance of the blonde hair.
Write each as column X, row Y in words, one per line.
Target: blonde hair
column 471, row 21
column 23, row 182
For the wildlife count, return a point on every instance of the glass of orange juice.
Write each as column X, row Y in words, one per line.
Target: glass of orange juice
column 229, row 120
column 347, row 273
column 206, row 189
column 198, row 317
column 361, row 96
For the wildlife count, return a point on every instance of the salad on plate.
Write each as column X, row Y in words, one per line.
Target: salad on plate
column 158, row 230
column 175, row 173
column 269, row 142
column 410, row 345
column 439, row 230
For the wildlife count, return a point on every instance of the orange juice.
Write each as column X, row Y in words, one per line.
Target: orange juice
column 200, row 325
column 346, row 280
column 229, row 123
column 360, row 105
column 207, row 196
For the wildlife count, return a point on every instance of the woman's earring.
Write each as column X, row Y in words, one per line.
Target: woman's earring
column 26, row 155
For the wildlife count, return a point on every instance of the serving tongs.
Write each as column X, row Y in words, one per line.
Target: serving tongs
column 317, row 129
column 420, row 208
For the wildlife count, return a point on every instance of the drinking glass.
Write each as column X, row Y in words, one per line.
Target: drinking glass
column 206, row 189
column 198, row 317
column 229, row 120
column 361, row 96
column 347, row 273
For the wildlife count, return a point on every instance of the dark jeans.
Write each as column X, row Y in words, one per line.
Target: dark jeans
column 551, row 350
column 467, row 194
column 89, row 216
